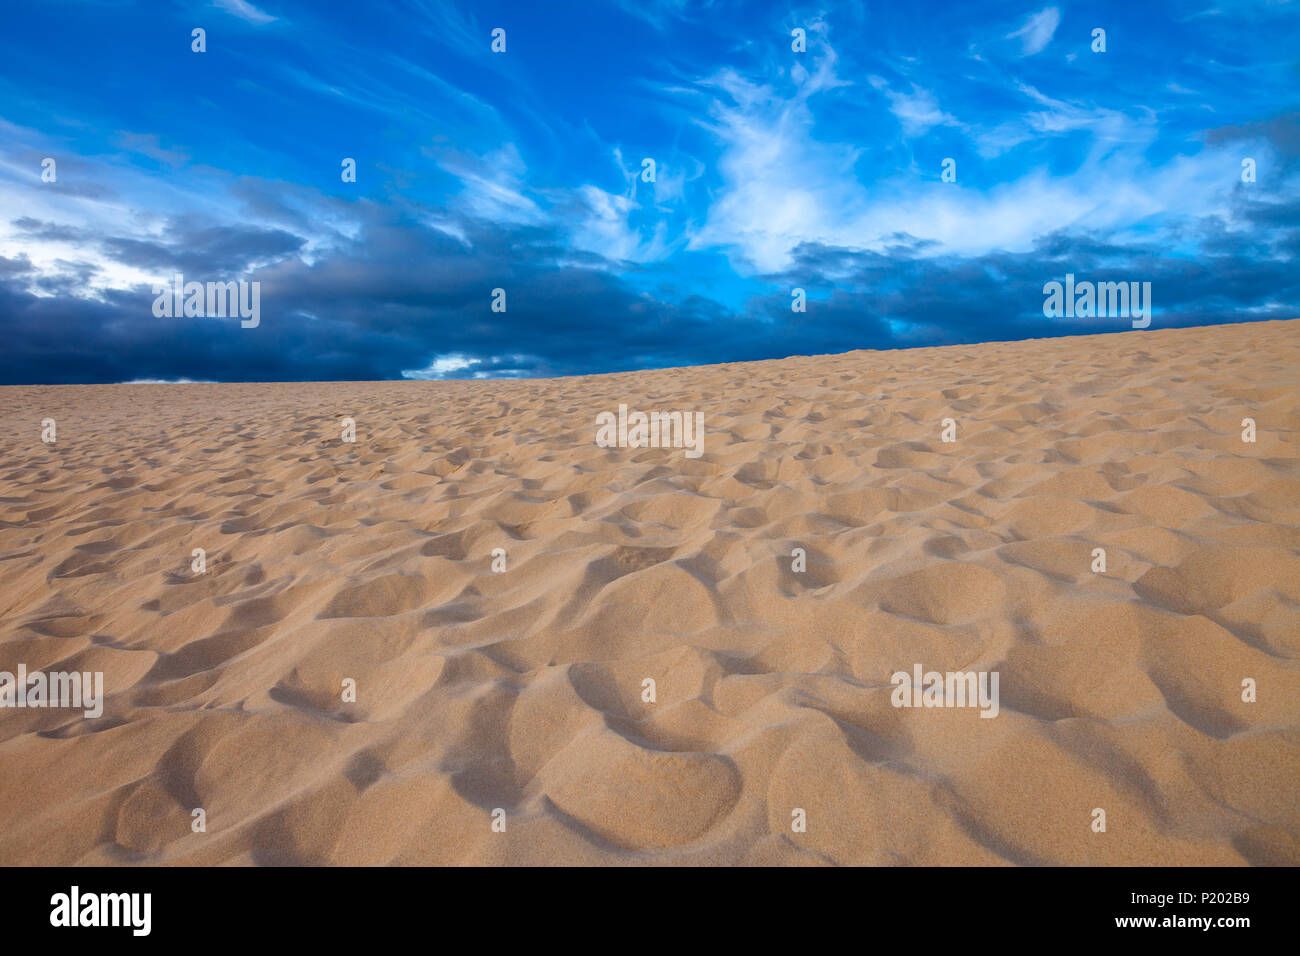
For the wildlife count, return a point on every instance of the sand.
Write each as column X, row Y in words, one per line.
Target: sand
column 522, row 690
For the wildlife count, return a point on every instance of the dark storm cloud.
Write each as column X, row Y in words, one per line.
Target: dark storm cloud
column 206, row 253
column 1273, row 214
column 1282, row 132
column 36, row 229
column 404, row 292
column 1000, row 295
column 18, row 265
column 69, row 279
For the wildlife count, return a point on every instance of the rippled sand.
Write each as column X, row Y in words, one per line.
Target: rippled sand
column 523, row 690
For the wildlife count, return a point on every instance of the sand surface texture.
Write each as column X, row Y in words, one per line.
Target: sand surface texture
column 523, row 690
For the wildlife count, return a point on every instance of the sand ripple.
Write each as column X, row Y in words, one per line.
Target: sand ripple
column 524, row 690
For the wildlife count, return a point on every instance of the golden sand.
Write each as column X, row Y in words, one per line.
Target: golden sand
column 524, row 690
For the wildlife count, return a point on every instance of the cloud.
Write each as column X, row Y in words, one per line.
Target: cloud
column 917, row 111
column 442, row 366
column 1037, row 31
column 784, row 180
column 148, row 144
column 492, row 185
column 191, row 246
column 244, row 10
column 456, row 365
column 1281, row 132
column 360, row 311
column 168, row 381
column 603, row 226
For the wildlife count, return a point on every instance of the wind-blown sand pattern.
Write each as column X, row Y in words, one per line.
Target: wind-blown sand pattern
column 522, row 690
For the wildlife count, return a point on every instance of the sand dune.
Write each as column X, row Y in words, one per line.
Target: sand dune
column 523, row 690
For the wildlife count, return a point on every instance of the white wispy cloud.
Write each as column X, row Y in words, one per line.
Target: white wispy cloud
column 603, row 225
column 442, row 366
column 148, row 144
column 169, row 381
column 492, row 185
column 244, row 10
column 917, row 111
column 783, row 185
column 1037, row 31
column 456, row 365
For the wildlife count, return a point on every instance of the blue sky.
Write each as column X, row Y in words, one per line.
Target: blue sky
column 521, row 170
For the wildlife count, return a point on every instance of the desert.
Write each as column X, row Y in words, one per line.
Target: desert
column 646, row 673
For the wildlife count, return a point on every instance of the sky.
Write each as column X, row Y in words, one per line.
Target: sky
column 524, row 170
